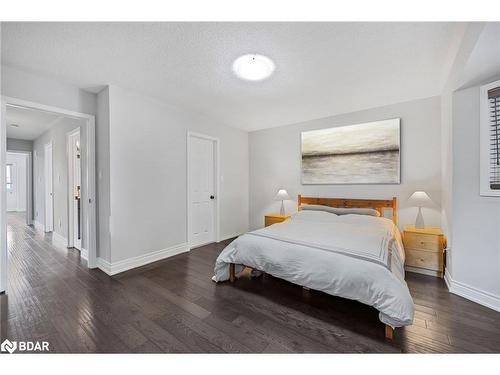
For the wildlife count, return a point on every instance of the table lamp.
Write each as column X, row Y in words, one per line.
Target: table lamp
column 420, row 199
column 281, row 196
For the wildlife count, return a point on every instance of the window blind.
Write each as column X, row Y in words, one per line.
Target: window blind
column 494, row 107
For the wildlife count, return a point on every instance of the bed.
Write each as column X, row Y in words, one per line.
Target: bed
column 355, row 256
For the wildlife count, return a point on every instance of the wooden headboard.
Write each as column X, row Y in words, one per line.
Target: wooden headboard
column 377, row 204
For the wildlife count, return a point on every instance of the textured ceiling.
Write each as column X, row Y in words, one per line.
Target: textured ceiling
column 321, row 68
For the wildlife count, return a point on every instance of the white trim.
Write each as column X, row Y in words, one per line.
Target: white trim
column 104, row 266
column 3, row 198
column 484, row 140
column 48, row 183
column 59, row 241
column 70, row 158
column 447, row 279
column 217, row 175
column 476, row 295
column 88, row 193
column 141, row 260
column 38, row 227
column 84, row 254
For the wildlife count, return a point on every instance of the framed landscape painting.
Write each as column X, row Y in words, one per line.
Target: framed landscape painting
column 357, row 154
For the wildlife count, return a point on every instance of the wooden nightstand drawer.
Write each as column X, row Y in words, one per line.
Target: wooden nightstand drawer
column 424, row 259
column 424, row 249
column 271, row 219
column 420, row 241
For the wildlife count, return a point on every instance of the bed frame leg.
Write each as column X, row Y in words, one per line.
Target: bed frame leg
column 231, row 272
column 389, row 332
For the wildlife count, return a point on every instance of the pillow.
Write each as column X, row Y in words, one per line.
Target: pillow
column 357, row 211
column 341, row 210
column 318, row 207
column 314, row 215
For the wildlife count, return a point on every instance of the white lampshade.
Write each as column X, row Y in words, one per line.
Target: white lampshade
column 420, row 199
column 281, row 195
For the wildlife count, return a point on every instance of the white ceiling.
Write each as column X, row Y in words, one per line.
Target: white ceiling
column 321, row 68
column 32, row 123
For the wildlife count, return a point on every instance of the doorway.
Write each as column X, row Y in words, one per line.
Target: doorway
column 203, row 189
column 54, row 179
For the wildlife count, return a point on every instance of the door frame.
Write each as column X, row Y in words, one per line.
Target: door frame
column 48, row 182
column 69, row 151
column 29, row 182
column 216, row 142
column 89, row 217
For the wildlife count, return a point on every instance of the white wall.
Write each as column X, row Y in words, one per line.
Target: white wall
column 466, row 42
column 20, row 84
column 275, row 161
column 57, row 135
column 148, row 174
column 102, row 180
column 476, row 219
column 144, row 133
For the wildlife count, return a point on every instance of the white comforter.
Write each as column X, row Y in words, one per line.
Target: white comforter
column 352, row 256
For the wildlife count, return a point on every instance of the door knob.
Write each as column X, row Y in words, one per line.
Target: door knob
column 212, row 197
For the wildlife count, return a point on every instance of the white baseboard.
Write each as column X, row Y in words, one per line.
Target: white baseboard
column 104, row 266
column 84, row 254
column 39, row 226
column 59, row 240
column 479, row 296
column 141, row 260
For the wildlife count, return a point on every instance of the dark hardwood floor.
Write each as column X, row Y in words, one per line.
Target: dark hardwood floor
column 173, row 306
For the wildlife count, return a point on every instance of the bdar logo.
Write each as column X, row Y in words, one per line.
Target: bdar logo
column 8, row 346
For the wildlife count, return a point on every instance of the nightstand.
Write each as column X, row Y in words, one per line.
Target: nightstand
column 424, row 248
column 274, row 218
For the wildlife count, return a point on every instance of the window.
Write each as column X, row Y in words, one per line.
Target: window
column 8, row 177
column 490, row 139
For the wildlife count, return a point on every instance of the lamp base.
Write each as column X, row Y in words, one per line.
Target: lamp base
column 419, row 223
column 282, row 209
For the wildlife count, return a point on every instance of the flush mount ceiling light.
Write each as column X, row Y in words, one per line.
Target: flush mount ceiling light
column 253, row 67
column 14, row 125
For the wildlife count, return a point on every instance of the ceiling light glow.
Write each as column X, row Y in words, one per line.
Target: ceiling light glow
column 253, row 67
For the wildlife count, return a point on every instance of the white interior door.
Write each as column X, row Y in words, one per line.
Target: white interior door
column 17, row 178
column 201, row 159
column 11, row 185
column 49, row 189
column 75, row 178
